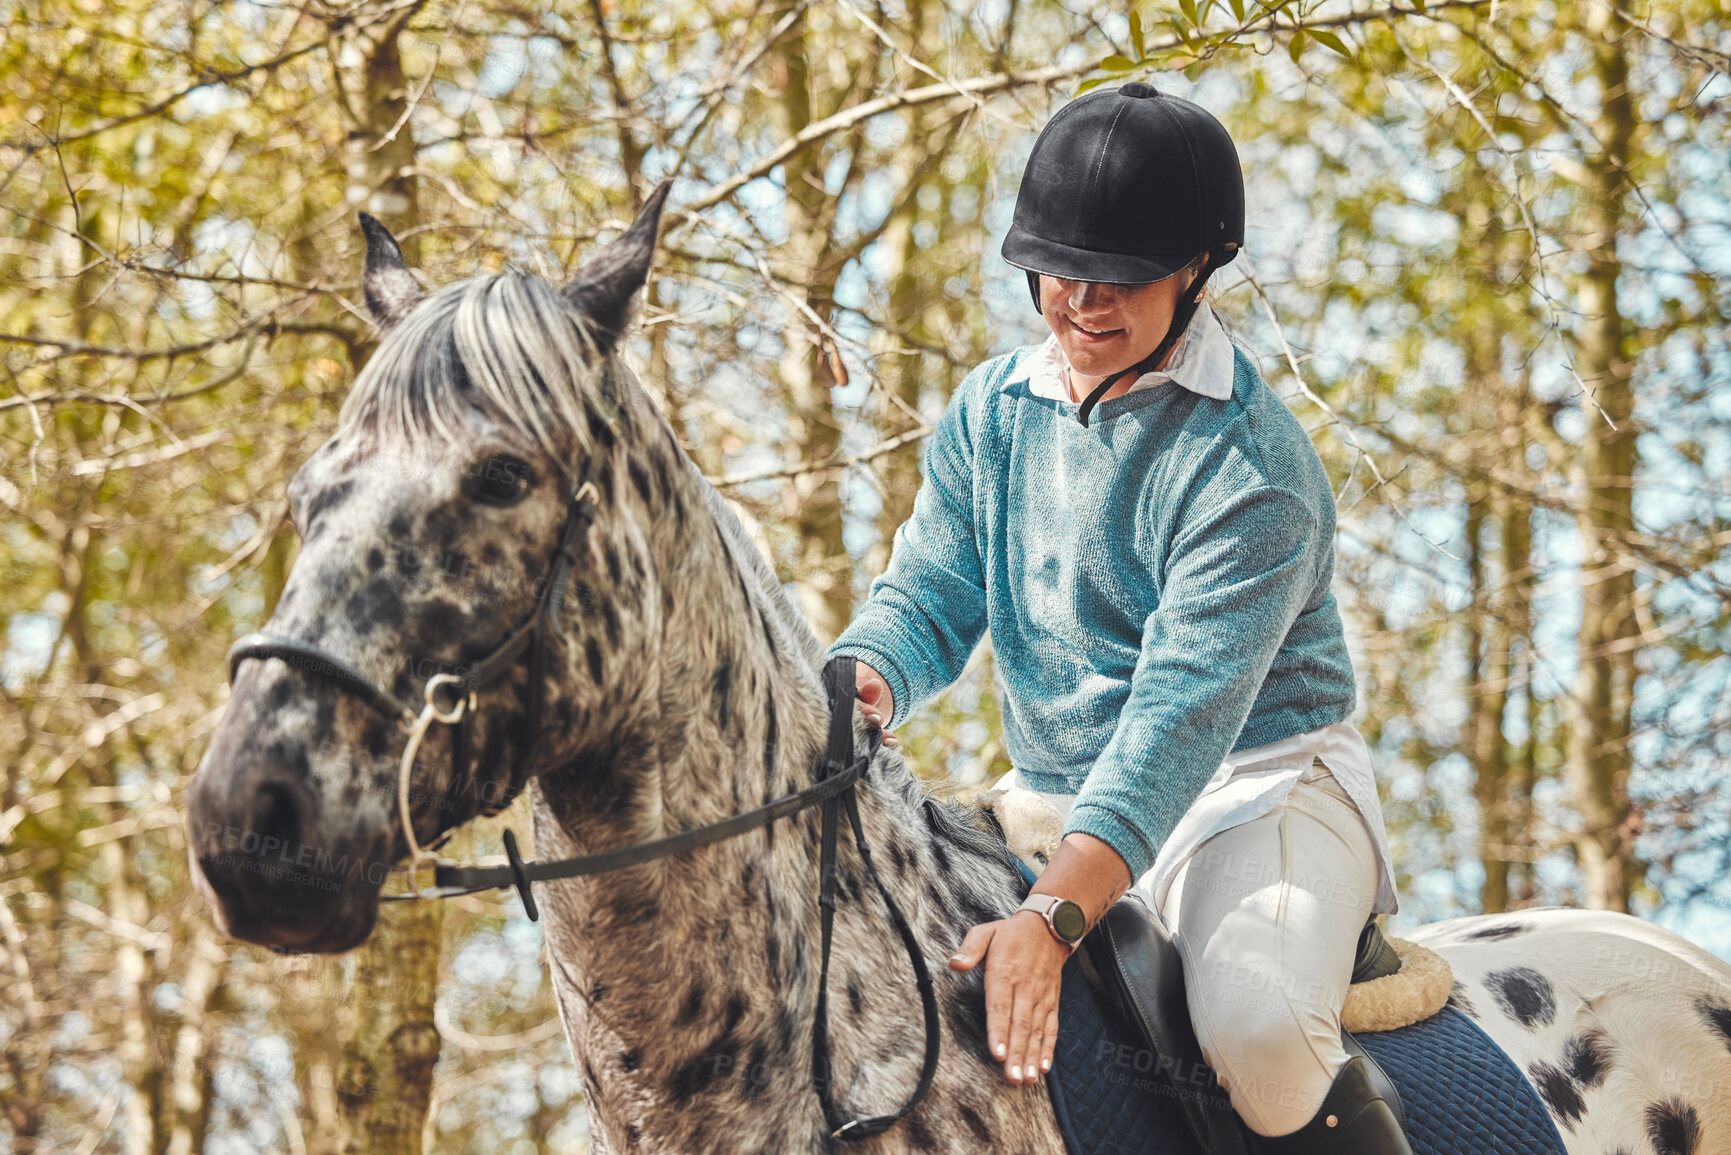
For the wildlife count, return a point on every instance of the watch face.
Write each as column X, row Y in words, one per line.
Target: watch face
column 1068, row 920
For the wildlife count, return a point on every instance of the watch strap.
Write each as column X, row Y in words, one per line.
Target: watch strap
column 1038, row 903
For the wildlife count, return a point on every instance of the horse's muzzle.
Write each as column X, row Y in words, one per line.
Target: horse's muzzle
column 273, row 877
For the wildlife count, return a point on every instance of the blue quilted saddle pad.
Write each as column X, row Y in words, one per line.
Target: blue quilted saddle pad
column 1462, row 1094
column 1105, row 1088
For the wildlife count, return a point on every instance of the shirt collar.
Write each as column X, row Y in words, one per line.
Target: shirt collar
column 1201, row 362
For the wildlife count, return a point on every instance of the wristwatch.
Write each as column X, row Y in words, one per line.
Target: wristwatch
column 1067, row 921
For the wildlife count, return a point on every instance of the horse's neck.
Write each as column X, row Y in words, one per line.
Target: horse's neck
column 725, row 714
column 740, row 712
column 688, row 986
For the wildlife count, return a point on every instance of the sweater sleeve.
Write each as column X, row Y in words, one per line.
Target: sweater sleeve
column 927, row 610
column 1237, row 578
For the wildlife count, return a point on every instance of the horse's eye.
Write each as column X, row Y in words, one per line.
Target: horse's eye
column 500, row 480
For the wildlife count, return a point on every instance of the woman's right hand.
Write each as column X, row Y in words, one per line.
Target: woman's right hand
column 876, row 702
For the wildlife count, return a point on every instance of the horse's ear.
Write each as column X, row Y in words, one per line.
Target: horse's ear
column 607, row 282
column 391, row 290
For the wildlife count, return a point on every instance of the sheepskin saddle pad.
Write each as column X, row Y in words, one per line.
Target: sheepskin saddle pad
column 1128, row 1076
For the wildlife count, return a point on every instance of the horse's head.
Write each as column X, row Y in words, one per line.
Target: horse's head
column 431, row 526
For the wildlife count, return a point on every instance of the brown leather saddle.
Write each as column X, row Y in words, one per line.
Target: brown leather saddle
column 1130, row 958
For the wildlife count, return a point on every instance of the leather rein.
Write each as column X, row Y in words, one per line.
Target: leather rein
column 450, row 699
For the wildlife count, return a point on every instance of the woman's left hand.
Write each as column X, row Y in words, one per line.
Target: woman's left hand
column 1023, row 964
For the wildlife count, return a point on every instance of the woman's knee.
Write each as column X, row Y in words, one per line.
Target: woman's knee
column 1272, row 1063
column 1278, row 1103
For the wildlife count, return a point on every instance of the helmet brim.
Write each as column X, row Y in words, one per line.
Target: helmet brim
column 1050, row 258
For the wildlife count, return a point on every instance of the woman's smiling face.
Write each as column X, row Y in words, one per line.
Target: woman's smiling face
column 1104, row 328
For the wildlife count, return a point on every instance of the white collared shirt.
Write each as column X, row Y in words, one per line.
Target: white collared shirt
column 1201, row 362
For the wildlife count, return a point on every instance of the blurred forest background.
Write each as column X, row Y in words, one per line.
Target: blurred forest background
column 1487, row 268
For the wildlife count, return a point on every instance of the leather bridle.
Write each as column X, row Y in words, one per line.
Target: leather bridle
column 838, row 773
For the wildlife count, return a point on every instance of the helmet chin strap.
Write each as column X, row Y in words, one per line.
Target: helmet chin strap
column 1181, row 317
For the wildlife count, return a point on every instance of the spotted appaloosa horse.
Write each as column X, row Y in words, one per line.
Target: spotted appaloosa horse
column 682, row 688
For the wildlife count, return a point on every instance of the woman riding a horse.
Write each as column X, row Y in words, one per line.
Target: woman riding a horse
column 1148, row 534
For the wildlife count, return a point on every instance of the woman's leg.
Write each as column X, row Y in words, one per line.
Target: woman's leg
column 1267, row 917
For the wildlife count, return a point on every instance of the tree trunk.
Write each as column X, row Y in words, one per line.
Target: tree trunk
column 187, row 1104
column 385, row 1077
column 1514, row 511
column 385, row 1082
column 898, row 472
column 823, row 568
column 133, row 976
column 1486, row 243
column 1599, row 755
column 1488, row 667
column 27, row 1052
column 380, row 173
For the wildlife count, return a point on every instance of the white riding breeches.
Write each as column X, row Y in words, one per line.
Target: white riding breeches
column 1266, row 915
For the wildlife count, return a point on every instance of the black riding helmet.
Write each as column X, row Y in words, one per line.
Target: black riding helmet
column 1126, row 186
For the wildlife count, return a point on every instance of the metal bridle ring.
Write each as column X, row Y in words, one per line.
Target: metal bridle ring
column 461, row 702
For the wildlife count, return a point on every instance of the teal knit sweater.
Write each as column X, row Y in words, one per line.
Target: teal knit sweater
column 1156, row 586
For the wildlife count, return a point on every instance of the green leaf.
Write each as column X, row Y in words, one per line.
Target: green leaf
column 1193, row 71
column 1116, row 63
column 1296, row 48
column 1136, row 36
column 1332, row 41
column 1238, row 10
column 1189, row 7
column 1091, row 84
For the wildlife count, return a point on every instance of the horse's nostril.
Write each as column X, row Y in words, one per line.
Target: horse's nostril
column 276, row 814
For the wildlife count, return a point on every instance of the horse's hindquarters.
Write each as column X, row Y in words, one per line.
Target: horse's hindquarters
column 1623, row 1027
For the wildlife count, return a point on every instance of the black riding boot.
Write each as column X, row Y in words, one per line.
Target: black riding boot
column 1353, row 1120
